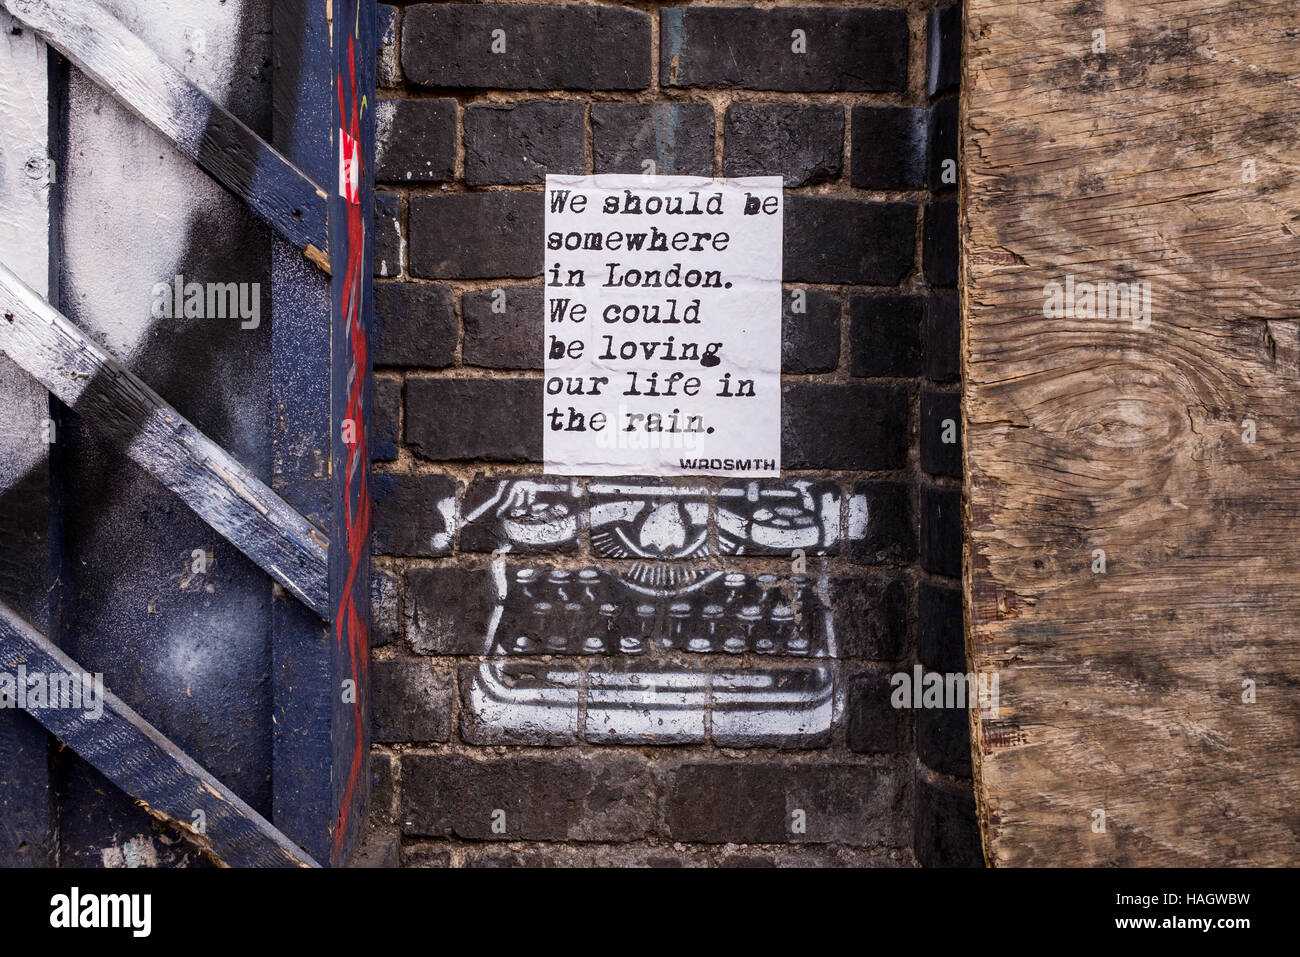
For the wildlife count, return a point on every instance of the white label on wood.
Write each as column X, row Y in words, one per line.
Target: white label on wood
column 662, row 325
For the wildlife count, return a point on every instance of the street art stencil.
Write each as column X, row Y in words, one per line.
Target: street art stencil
column 681, row 645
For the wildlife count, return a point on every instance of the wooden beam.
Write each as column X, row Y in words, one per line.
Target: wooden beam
column 305, row 753
column 27, row 818
column 134, row 755
column 222, row 492
column 1154, row 144
column 105, row 50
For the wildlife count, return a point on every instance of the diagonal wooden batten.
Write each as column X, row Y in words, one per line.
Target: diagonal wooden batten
column 134, row 755
column 205, row 132
column 226, row 495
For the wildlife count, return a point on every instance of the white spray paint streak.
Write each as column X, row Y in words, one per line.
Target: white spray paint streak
column 24, row 229
column 131, row 199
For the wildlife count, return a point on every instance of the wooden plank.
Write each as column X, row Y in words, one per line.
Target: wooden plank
column 159, row 439
column 1171, row 158
column 27, row 819
column 203, row 131
column 303, row 649
column 134, row 755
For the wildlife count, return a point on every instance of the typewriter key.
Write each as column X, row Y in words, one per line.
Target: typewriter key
column 558, row 580
column 595, row 643
column 734, row 644
column 680, row 613
column 783, row 619
column 635, row 644
column 557, row 640
column 749, row 618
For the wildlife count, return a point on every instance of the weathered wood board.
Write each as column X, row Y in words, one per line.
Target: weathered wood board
column 54, row 351
column 202, row 130
column 1172, row 158
column 136, row 757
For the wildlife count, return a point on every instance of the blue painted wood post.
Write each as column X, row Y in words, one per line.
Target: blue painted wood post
column 324, row 88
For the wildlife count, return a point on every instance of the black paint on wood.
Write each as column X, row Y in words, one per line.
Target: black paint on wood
column 159, row 439
column 205, row 132
column 141, row 761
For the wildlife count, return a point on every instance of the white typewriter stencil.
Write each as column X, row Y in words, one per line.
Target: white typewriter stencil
column 650, row 625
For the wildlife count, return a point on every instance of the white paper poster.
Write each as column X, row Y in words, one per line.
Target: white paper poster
column 662, row 325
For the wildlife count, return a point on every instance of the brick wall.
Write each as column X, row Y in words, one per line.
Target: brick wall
column 649, row 671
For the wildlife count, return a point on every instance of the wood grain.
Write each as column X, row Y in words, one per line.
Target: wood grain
column 27, row 817
column 1122, row 691
column 140, row 760
column 225, row 494
column 203, row 131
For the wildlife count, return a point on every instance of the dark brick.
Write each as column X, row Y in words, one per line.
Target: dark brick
column 802, row 143
column 383, row 809
column 940, row 418
column 385, row 608
column 872, row 724
column 485, row 719
column 943, row 739
column 891, row 529
column 870, row 617
column 816, row 492
column 885, row 335
column 941, row 243
column 848, row 241
column 415, row 141
column 544, row 799
column 678, row 137
column 388, row 234
column 942, row 337
column 947, row 833
column 385, row 421
column 411, row 514
column 846, row 49
column 943, row 51
column 493, row 859
column 417, row 325
column 753, row 803
column 810, row 340
column 448, row 610
column 510, row 339
column 547, row 47
column 379, row 847
column 508, row 144
column 490, row 530
column 477, row 235
column 425, row 855
column 596, row 857
column 611, row 718
column 941, row 534
column 388, row 71
column 738, row 728
column 940, row 645
column 843, row 426
column 409, row 702
column 942, row 144
column 457, row 419
column 888, row 147
column 810, row 856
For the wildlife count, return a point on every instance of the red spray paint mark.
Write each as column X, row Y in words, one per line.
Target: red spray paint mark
column 348, row 622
